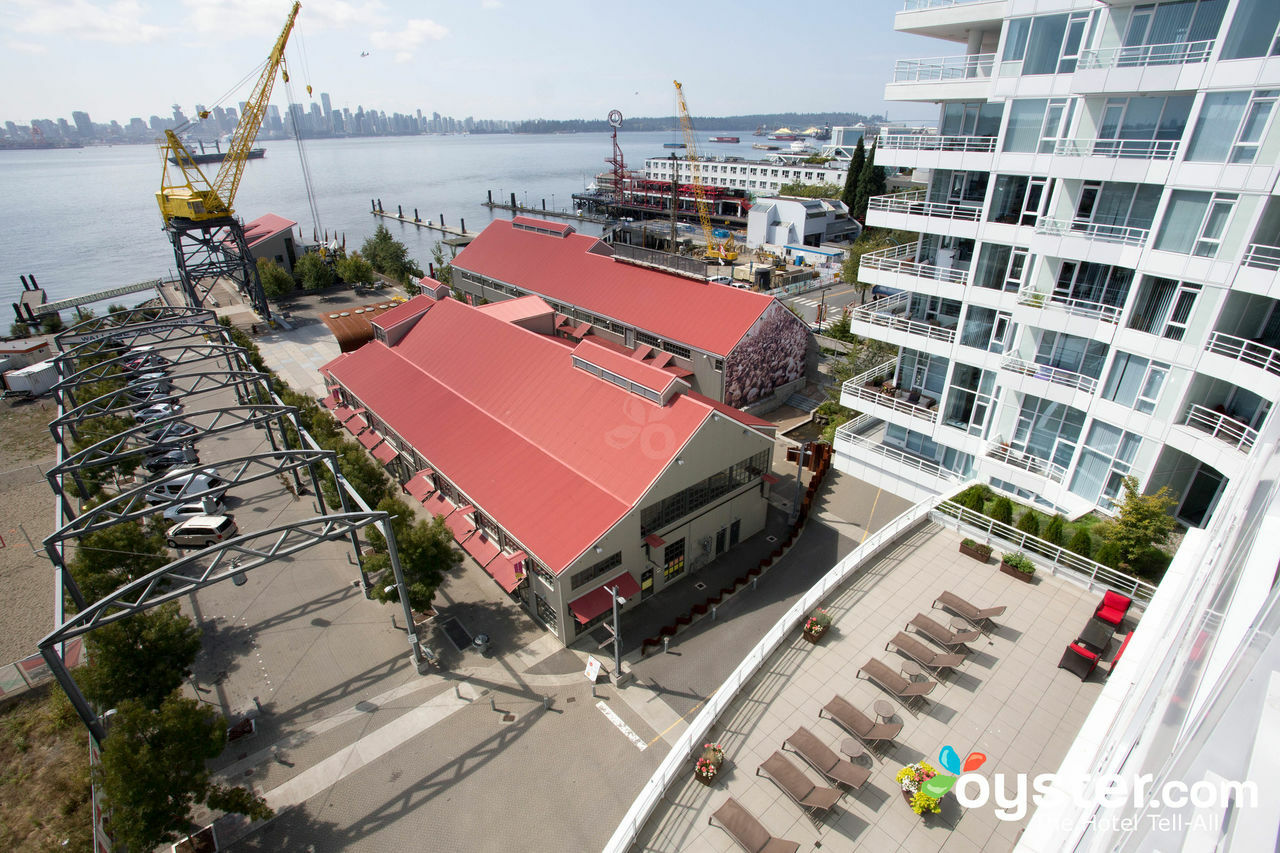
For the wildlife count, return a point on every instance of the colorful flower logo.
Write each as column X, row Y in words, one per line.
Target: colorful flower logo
column 950, row 761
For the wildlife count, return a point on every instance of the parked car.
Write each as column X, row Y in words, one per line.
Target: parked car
column 181, row 512
column 201, row 531
column 189, row 483
column 157, row 411
column 154, row 398
column 144, row 385
column 145, row 362
column 146, row 378
column 169, row 432
column 159, row 462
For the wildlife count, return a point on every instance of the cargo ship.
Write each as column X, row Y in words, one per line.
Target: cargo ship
column 673, row 145
column 732, row 140
column 764, row 147
column 218, row 155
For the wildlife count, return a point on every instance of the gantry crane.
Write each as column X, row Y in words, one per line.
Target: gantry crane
column 208, row 240
column 720, row 251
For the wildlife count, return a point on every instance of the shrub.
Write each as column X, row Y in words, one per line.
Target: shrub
column 1054, row 531
column 1029, row 523
column 1110, row 554
column 979, row 547
column 1001, row 510
column 1019, row 562
column 974, row 497
column 1081, row 543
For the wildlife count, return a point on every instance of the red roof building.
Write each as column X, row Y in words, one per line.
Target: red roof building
column 734, row 345
column 567, row 456
column 270, row 236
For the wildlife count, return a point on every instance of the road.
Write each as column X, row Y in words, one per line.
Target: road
column 834, row 297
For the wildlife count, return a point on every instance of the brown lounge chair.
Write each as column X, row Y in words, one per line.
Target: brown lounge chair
column 859, row 724
column 923, row 655
column 978, row 617
column 907, row 692
column 750, row 834
column 791, row 779
column 940, row 635
column 824, row 759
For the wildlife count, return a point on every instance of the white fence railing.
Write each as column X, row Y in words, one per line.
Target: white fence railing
column 901, row 259
column 932, row 142
column 1126, row 234
column 1079, row 307
column 1138, row 149
column 1141, row 55
column 1263, row 257
column 914, row 5
column 882, row 372
column 1222, row 427
column 1027, row 462
column 913, row 203
column 1048, row 372
column 890, row 400
column 1258, row 355
column 893, row 316
column 944, row 68
column 847, row 435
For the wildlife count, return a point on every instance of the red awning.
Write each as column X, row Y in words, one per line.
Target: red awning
column 653, row 540
column 482, row 548
column 384, row 453
column 769, row 478
column 508, row 571
column 419, row 485
column 466, row 508
column 356, row 425
column 330, row 400
column 437, row 504
column 343, row 414
column 598, row 601
column 369, row 439
column 457, row 522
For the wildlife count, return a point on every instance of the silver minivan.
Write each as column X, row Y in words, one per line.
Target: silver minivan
column 201, row 531
column 188, row 484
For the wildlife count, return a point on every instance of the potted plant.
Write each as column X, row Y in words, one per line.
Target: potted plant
column 975, row 549
column 1017, row 565
column 816, row 625
column 708, row 764
column 889, row 388
column 910, row 779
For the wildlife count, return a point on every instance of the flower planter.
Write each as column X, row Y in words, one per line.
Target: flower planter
column 1009, row 570
column 981, row 554
column 813, row 636
column 703, row 779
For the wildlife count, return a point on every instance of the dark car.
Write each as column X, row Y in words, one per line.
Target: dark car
column 168, row 432
column 164, row 461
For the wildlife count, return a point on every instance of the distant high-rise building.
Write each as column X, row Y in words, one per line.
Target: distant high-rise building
column 178, row 117
column 84, row 126
column 327, row 104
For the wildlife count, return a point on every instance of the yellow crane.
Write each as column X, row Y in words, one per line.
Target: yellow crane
column 208, row 241
column 721, row 252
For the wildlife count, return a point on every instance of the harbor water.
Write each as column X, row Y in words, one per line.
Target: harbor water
column 86, row 219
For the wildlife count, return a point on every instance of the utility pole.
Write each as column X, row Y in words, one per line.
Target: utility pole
column 617, row 634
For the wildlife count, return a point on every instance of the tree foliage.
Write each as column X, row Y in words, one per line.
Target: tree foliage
column 1001, row 510
column 153, row 771
column 355, row 269
column 277, row 284
column 799, row 190
column 425, row 549
column 110, row 557
column 871, row 182
column 1055, row 530
column 313, row 273
column 1142, row 522
column 143, row 657
column 850, row 194
column 1082, row 543
column 444, row 270
column 1029, row 523
column 389, row 256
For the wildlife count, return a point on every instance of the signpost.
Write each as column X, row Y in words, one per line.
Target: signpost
column 593, row 669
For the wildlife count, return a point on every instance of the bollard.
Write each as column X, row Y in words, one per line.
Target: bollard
column 490, row 196
column 713, row 613
column 755, row 580
column 666, row 645
column 399, row 212
column 492, row 706
column 415, row 215
column 544, row 204
column 464, row 226
column 513, row 201
column 372, row 207
column 546, row 703
column 442, row 221
column 380, row 205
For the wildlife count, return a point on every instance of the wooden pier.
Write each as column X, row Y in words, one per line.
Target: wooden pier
column 543, row 212
column 453, row 236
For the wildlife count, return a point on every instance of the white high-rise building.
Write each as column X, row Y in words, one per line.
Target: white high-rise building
column 1094, row 289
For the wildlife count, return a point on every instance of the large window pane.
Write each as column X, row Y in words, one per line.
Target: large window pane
column 1182, row 221
column 1252, row 29
column 1025, row 119
column 1045, row 44
column 1015, row 43
column 1216, row 125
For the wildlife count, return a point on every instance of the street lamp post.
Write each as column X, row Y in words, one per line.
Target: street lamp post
column 618, row 601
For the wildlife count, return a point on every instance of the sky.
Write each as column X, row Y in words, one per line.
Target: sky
column 498, row 59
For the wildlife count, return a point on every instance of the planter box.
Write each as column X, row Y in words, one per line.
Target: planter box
column 1009, row 570
column 979, row 554
column 703, row 779
column 813, row 636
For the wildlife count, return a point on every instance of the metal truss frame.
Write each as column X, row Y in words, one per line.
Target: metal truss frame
column 133, row 323
column 203, row 351
column 214, row 248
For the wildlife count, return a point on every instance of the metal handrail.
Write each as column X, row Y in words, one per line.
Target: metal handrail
column 1250, row 352
column 931, row 142
column 1262, row 256
column 1057, row 375
column 1221, row 426
column 942, row 68
column 1079, row 307
column 1034, row 464
column 880, row 398
column 1149, row 149
column 900, row 259
column 913, row 5
column 878, row 314
column 883, row 369
column 1142, row 55
column 1127, row 234
column 913, row 203
column 928, row 466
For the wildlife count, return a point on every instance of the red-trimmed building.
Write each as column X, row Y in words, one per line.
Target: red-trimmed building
column 734, row 345
column 270, row 236
column 561, row 467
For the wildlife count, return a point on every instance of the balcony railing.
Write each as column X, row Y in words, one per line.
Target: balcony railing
column 1137, row 149
column 1050, row 373
column 869, row 386
column 1263, row 257
column 1126, row 234
column 914, row 5
column 913, row 203
column 901, row 259
column 1250, row 352
column 930, row 142
column 1142, row 55
column 1078, row 307
column 890, row 313
column 851, row 440
column 942, row 68
column 1003, row 453
column 1221, row 426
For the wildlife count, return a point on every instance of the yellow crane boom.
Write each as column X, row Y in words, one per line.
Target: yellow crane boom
column 728, row 251
column 187, row 193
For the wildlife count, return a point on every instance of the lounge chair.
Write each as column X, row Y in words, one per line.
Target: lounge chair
column 978, row 617
column 1078, row 661
column 907, row 692
column 859, row 724
column 940, row 635
column 791, row 779
column 750, row 834
column 824, row 759
column 923, row 655
column 1113, row 608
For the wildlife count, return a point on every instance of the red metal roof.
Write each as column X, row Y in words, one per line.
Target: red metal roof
column 502, row 413
column 564, row 269
column 369, row 439
column 404, row 311
column 461, row 527
column 738, row 415
column 419, row 485
column 512, row 310
column 598, row 600
column 628, row 368
column 265, row 227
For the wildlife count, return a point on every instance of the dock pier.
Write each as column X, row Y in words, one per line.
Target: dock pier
column 454, row 236
column 575, row 216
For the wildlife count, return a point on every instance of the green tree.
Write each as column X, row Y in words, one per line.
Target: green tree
column 799, row 190
column 143, row 657
column 389, row 256
column 364, row 475
column 1082, row 543
column 153, row 771
column 1142, row 522
column 1001, row 510
column 871, row 182
column 277, row 284
column 850, row 194
column 51, row 323
column 1029, row 523
column 444, row 270
column 19, row 330
column 313, row 273
column 1055, row 530
column 426, row 552
column 110, row 557
column 839, row 328
column 354, row 269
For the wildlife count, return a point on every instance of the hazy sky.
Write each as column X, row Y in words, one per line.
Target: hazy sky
column 503, row 59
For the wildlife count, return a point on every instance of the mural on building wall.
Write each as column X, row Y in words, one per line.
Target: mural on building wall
column 772, row 353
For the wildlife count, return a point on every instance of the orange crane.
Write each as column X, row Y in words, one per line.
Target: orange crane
column 722, row 252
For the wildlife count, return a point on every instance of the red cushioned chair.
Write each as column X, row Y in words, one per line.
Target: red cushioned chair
column 1078, row 661
column 1113, row 608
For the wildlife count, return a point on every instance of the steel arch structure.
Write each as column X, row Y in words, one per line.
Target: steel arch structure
column 203, row 351
column 96, row 333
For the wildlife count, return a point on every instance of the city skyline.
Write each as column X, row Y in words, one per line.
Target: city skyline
column 508, row 62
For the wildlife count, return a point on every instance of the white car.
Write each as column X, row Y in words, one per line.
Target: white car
column 157, row 411
column 181, row 512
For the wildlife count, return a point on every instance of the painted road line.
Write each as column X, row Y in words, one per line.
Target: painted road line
column 622, row 727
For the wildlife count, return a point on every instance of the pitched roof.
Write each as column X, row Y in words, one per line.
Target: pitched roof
column 563, row 267
column 555, row 454
column 512, row 310
column 264, row 227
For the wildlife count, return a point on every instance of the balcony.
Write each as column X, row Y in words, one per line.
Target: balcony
column 914, row 204
column 1057, row 375
column 1147, row 55
column 1261, row 256
column 890, row 313
column 1249, row 352
column 1001, row 452
column 900, row 259
column 870, row 387
column 1077, row 307
column 929, row 142
column 917, row 5
column 1221, row 426
column 1137, row 149
column 939, row 69
column 848, row 440
column 1124, row 234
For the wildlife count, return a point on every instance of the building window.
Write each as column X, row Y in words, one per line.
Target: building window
column 673, row 560
column 1095, row 284
column 1048, row 430
column 1253, row 31
column 533, row 567
column 1194, row 222
column 1163, row 307
column 1105, row 461
column 1230, row 126
column 1001, row 267
column 546, row 612
column 668, row 510
column 1135, row 382
column 970, row 397
column 595, row 571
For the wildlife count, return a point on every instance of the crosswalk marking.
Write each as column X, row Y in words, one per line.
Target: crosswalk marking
column 623, row 727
